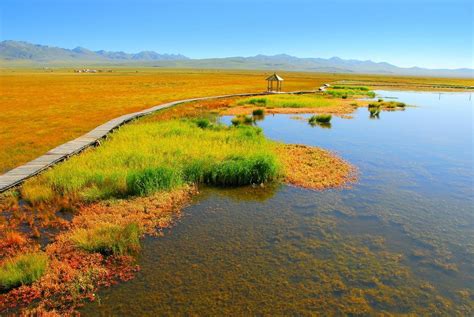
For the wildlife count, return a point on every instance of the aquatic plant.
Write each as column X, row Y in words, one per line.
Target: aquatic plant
column 242, row 119
column 374, row 105
column 236, row 121
column 381, row 104
column 321, row 118
column 108, row 238
column 374, row 113
column 22, row 269
column 258, row 112
column 247, row 119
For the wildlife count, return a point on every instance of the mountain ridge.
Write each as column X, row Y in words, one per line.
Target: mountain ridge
column 25, row 53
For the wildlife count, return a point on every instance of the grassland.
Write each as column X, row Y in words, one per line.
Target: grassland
column 42, row 109
column 154, row 164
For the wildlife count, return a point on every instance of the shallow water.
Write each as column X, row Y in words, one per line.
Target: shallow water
column 399, row 241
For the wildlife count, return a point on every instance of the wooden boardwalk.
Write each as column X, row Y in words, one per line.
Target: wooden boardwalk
column 18, row 175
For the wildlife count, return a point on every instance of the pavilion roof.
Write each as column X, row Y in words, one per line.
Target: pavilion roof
column 275, row 77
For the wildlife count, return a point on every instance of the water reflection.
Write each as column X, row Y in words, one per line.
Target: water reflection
column 324, row 125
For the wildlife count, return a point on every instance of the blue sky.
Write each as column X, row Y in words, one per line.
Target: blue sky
column 434, row 34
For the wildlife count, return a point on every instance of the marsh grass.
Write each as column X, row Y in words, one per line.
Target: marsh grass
column 22, row 269
column 258, row 112
column 108, row 238
column 242, row 119
column 145, row 157
column 150, row 180
column 320, row 118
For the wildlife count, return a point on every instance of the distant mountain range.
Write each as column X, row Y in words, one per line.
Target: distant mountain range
column 24, row 51
column 17, row 53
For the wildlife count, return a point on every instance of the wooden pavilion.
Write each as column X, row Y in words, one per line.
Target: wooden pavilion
column 279, row 82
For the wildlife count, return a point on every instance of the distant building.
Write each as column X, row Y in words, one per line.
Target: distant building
column 270, row 81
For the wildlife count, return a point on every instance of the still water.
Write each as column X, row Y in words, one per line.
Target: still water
column 401, row 240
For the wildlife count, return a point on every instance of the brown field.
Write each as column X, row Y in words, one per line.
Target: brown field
column 40, row 110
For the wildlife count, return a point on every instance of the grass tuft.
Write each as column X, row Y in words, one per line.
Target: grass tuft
column 22, row 269
column 258, row 112
column 108, row 239
column 203, row 123
column 321, row 118
column 150, row 180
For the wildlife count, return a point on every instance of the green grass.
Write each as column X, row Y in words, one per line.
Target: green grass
column 145, row 157
column 203, row 123
column 22, row 269
column 258, row 112
column 254, row 101
column 290, row 101
column 320, row 118
column 149, row 180
column 349, row 91
column 108, row 239
column 233, row 171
